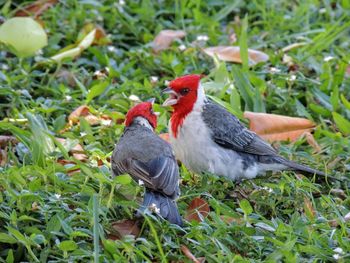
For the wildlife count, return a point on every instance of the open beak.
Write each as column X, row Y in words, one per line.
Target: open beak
column 151, row 100
column 173, row 97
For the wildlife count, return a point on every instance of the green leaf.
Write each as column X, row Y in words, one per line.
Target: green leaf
column 342, row 123
column 23, row 35
column 345, row 101
column 19, row 236
column 5, row 238
column 123, row 179
column 96, row 90
column 10, row 258
column 320, row 110
column 243, row 44
column 68, row 245
column 244, row 87
column 245, row 206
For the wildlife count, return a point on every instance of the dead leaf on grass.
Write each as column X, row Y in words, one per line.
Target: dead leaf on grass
column 232, row 54
column 83, row 111
column 36, row 8
column 196, row 207
column 273, row 127
column 124, row 227
column 164, row 39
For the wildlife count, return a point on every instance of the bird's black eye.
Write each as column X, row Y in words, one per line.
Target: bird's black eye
column 184, row 91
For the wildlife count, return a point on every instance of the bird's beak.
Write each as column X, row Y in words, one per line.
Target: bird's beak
column 151, row 100
column 173, row 97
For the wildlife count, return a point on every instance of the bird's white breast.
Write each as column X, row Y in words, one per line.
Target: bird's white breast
column 195, row 148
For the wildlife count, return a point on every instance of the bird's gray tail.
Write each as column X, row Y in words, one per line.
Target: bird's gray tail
column 299, row 167
column 163, row 205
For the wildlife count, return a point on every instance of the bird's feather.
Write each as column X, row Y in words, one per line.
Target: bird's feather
column 229, row 132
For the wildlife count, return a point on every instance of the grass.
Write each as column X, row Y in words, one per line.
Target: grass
column 47, row 215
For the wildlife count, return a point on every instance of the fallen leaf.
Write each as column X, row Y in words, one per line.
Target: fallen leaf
column 76, row 149
column 232, row 54
column 124, row 227
column 165, row 136
column 83, row 111
column 196, row 207
column 100, row 35
column 293, row 46
column 7, row 139
column 23, row 36
column 272, row 127
column 36, row 8
column 76, row 51
column 190, row 256
column 164, row 39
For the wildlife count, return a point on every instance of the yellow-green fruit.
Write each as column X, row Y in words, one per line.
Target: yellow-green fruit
column 23, row 35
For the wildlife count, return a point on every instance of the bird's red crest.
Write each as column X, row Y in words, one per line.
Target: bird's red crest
column 144, row 110
column 186, row 87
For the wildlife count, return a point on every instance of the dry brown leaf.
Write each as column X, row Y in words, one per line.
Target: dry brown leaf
column 101, row 37
column 76, row 149
column 165, row 37
column 232, row 54
column 35, row 9
column 197, row 206
column 165, row 136
column 190, row 256
column 83, row 111
column 124, row 227
column 7, row 139
column 272, row 127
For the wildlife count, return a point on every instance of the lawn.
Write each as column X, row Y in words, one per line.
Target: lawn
column 60, row 119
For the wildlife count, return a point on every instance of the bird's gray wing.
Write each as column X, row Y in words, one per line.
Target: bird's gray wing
column 160, row 174
column 229, row 132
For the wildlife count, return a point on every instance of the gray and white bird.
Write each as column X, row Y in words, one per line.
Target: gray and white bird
column 207, row 138
column 146, row 157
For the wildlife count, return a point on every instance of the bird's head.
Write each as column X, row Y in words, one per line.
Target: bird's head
column 144, row 110
column 183, row 93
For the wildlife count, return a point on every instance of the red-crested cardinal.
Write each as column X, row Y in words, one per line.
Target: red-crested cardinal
column 147, row 157
column 207, row 138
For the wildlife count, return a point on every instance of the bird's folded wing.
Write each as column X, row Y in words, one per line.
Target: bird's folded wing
column 160, row 174
column 229, row 132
